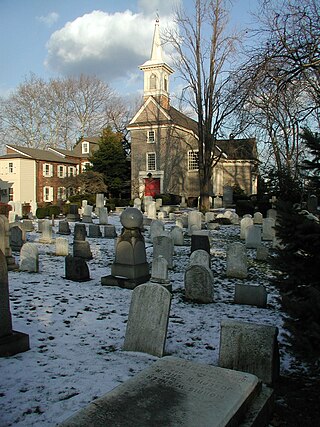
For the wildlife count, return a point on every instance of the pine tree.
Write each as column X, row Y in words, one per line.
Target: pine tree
column 312, row 142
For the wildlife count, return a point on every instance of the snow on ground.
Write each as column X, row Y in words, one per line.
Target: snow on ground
column 77, row 330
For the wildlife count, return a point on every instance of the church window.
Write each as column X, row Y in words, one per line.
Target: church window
column 193, row 160
column 151, row 136
column 153, row 81
column 151, row 161
column 165, row 83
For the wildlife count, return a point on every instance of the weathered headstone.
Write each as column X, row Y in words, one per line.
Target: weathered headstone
column 29, row 258
column 137, row 203
column 253, row 236
column 81, row 249
column 103, row 216
column 109, row 231
column 200, row 257
column 237, row 263
column 148, row 319
column 244, row 224
column 156, row 228
column 200, row 240
column 272, row 213
column 175, row 392
column 130, row 267
column 198, row 283
column 217, row 202
column 250, row 347
column 27, row 225
column 251, row 295
column 209, row 216
column 17, row 237
column 87, row 214
column 268, row 231
column 152, row 210
column 159, row 272
column 73, row 214
column 312, row 203
column 257, row 218
column 194, row 221
column 163, row 245
column 76, row 269
column 63, row 228
column 227, row 196
column 262, row 253
column 99, row 202
column 5, row 243
column 177, row 236
column 94, row 231
column 62, row 246
column 46, row 232
column 11, row 342
column 161, row 215
column 80, row 232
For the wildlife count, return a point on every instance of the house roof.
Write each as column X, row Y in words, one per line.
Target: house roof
column 239, row 149
column 36, row 154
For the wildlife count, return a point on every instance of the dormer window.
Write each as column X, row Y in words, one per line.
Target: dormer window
column 151, row 136
column 85, row 147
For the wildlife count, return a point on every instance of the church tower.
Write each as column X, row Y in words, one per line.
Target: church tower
column 156, row 73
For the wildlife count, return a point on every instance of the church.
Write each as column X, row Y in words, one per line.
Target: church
column 164, row 143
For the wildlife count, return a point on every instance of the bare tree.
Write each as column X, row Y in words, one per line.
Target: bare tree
column 204, row 51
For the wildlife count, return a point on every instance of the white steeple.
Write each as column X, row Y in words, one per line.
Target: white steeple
column 157, row 72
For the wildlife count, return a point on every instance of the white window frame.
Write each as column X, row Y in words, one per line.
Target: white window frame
column 193, row 160
column 61, row 193
column 10, row 167
column 47, row 169
column 85, row 147
column 151, row 161
column 59, row 173
column 151, row 136
column 72, row 169
column 47, row 194
column 10, row 194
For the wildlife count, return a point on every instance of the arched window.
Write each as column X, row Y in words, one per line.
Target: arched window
column 153, row 81
column 165, row 83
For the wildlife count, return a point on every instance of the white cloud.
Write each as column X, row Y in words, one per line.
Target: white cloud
column 49, row 19
column 106, row 45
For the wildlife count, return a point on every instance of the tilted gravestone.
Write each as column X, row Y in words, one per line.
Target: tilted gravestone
column 250, row 347
column 17, row 237
column 175, row 392
column 237, row 262
column 251, row 295
column 148, row 319
column 29, row 258
column 11, row 342
column 76, row 269
column 198, row 283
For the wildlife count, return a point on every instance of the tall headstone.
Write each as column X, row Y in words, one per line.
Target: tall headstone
column 99, row 202
column 80, row 232
column 156, row 228
column 312, row 203
column 268, row 230
column 148, row 319
column 177, row 236
column 244, row 224
column 159, row 272
column 152, row 210
column 163, row 245
column 76, row 269
column 103, row 216
column 250, row 347
column 198, row 283
column 73, row 214
column 11, row 342
column 29, row 258
column 227, row 196
column 87, row 214
column 200, row 240
column 17, row 237
column 237, row 262
column 130, row 267
column 63, row 228
column 194, row 221
column 46, row 236
column 62, row 246
column 253, row 236
column 5, row 243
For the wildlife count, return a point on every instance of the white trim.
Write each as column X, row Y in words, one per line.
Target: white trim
column 18, row 151
column 144, row 106
column 57, row 152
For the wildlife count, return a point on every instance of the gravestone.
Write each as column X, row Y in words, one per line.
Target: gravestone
column 257, row 218
column 209, row 216
column 148, row 318
column 217, row 202
column 183, row 203
column 62, row 246
column 237, row 263
column 227, row 196
column 177, row 236
column 272, row 213
column 161, row 216
column 200, row 257
column 253, row 236
column 130, row 267
column 109, row 231
column 76, row 269
column 99, row 202
column 87, row 214
column 159, row 272
column 268, row 231
column 151, row 210
column 156, row 228
column 5, row 243
column 17, row 237
column 262, row 253
column 46, row 232
column 146, row 201
column 103, row 216
column 244, row 224
column 158, row 203
column 180, row 223
column 80, row 232
column 94, row 231
column 198, row 283
column 312, row 203
column 172, row 216
column 200, row 240
column 73, row 214
column 12, row 217
column 250, row 347
column 180, row 393
column 81, row 249
column 63, row 228
column 251, row 295
column 194, row 221
column 29, row 258
column 27, row 225
column 11, row 342
column 163, row 245
column 137, row 203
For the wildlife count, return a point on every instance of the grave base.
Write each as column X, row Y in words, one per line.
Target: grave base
column 165, row 283
column 17, row 342
column 123, row 282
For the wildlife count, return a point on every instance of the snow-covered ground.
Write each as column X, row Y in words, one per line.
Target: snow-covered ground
column 77, row 330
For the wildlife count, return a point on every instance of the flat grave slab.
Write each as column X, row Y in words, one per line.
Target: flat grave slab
column 175, row 392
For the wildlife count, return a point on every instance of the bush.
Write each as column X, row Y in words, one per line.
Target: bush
column 47, row 210
column 244, row 207
column 41, row 213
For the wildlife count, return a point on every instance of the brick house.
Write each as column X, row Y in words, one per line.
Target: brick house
column 30, row 175
column 164, row 143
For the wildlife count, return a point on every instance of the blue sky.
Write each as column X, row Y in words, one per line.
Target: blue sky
column 107, row 38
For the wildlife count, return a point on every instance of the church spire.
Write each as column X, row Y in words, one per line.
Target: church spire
column 157, row 72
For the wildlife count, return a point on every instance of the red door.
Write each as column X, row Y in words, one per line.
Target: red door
column 151, row 186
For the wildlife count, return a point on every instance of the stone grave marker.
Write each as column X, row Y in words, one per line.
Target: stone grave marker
column 163, row 245
column 161, row 215
column 257, row 218
column 198, row 283
column 194, row 221
column 177, row 236
column 272, row 213
column 103, row 216
column 251, row 295
column 262, row 253
column 159, row 272
column 12, row 217
column 227, row 196
column 152, row 210
column 312, row 203
column 156, row 228
column 63, row 228
column 46, row 232
column 148, row 319
column 94, row 231
column 268, row 231
column 137, row 203
column 81, row 249
column 200, row 257
column 200, row 240
column 250, row 347
column 27, row 225
column 73, row 214
column 253, row 236
column 244, row 224
column 76, row 269
column 217, row 202
column 237, row 262
column 109, row 231
column 180, row 393
column 209, row 216
column 29, row 258
column 80, row 232
column 5, row 243
column 99, row 202
column 62, row 246
column 87, row 214
column 17, row 237
column 11, row 342
column 172, row 216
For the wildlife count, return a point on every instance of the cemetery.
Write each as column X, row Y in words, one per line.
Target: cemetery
column 161, row 310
